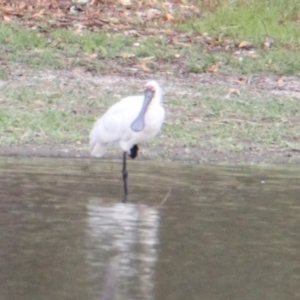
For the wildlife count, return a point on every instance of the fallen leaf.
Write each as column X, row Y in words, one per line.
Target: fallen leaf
column 38, row 50
column 39, row 103
column 147, row 58
column 80, row 28
column 232, row 91
column 244, row 44
column 127, row 55
column 280, row 80
column 181, row 44
column 144, row 68
column 41, row 12
column 152, row 12
column 91, row 55
column 251, row 53
column 6, row 18
column 168, row 17
column 113, row 20
column 241, row 80
column 197, row 120
column 47, row 83
column 213, row 68
column 80, row 1
column 268, row 42
column 78, row 70
column 125, row 2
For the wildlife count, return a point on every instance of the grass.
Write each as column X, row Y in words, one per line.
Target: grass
column 199, row 116
column 251, row 20
column 270, row 28
column 29, row 114
column 19, row 127
column 233, row 124
column 39, row 108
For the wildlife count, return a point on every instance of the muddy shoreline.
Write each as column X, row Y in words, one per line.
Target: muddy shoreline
column 197, row 155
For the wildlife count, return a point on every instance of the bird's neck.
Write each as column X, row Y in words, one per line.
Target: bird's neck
column 158, row 97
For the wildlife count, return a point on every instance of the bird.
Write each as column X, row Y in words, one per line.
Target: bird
column 132, row 120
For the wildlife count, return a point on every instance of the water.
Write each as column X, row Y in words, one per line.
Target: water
column 187, row 231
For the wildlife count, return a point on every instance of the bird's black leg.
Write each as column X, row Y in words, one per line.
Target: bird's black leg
column 134, row 151
column 125, row 174
column 133, row 154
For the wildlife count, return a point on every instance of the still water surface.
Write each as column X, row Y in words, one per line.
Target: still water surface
column 187, row 231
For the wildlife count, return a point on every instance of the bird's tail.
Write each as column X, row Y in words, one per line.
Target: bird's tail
column 98, row 149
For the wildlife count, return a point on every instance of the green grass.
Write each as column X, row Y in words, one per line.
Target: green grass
column 30, row 115
column 262, row 122
column 250, row 20
column 254, row 21
column 39, row 109
column 34, row 110
column 226, row 24
column 23, row 127
column 13, row 38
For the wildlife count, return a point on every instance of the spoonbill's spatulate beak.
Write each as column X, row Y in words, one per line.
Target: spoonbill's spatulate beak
column 139, row 123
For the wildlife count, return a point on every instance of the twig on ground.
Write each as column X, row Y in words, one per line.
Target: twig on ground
column 165, row 198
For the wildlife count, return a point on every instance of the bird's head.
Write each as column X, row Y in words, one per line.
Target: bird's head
column 152, row 88
column 152, row 91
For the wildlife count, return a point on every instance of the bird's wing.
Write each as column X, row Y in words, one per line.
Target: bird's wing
column 132, row 103
column 115, row 123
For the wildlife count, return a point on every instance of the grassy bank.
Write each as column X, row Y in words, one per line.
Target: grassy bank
column 216, row 63
column 193, row 37
column 219, row 114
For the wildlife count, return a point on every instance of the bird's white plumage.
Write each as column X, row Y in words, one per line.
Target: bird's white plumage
column 114, row 125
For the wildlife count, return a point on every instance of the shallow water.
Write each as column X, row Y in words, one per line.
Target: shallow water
column 187, row 231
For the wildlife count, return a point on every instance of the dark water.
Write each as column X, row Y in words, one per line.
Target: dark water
column 187, row 231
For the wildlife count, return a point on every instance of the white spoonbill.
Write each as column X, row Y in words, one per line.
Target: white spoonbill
column 128, row 122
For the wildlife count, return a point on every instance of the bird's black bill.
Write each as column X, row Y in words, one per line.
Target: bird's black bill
column 139, row 123
column 134, row 151
column 125, row 174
